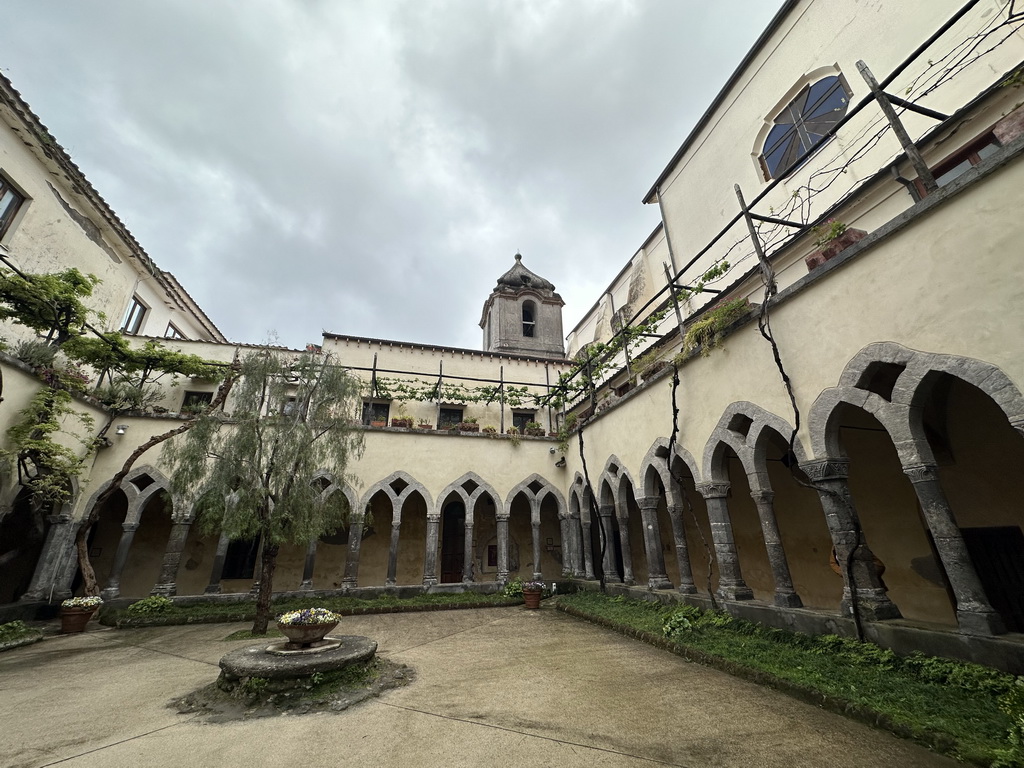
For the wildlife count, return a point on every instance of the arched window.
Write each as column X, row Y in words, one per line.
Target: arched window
column 529, row 319
column 805, row 120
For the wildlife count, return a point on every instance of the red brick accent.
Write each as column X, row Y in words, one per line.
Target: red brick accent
column 1010, row 127
column 834, row 248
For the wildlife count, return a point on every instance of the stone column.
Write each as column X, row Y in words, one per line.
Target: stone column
column 167, row 583
column 502, row 524
column 576, row 536
column 113, row 588
column 355, row 539
column 51, row 571
column 430, row 556
column 396, row 527
column 468, row 556
column 785, row 595
column 566, row 544
column 627, row 552
column 307, row 567
column 611, row 576
column 974, row 613
column 213, row 588
column 686, row 585
column 535, row 528
column 730, row 581
column 656, row 576
column 588, row 549
column 829, row 477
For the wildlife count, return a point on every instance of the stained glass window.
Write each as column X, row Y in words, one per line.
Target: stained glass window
column 805, row 120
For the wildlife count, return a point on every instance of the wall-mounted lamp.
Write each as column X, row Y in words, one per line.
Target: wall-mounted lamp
column 121, row 429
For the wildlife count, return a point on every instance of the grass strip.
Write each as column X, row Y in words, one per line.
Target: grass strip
column 872, row 685
column 215, row 613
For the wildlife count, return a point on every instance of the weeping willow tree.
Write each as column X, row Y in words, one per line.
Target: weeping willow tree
column 290, row 417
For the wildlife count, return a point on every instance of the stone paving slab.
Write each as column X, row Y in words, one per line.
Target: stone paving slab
column 496, row 687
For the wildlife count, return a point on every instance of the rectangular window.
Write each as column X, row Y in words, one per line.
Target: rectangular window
column 10, row 202
column 375, row 412
column 174, row 333
column 133, row 317
column 960, row 162
column 521, row 418
column 196, row 400
column 449, row 417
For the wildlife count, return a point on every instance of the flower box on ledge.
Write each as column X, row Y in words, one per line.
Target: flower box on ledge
column 833, row 248
column 467, row 426
column 378, row 423
column 402, row 423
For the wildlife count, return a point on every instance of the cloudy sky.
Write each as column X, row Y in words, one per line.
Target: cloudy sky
column 371, row 167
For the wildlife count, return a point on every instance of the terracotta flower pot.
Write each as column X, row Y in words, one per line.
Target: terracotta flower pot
column 74, row 619
column 532, row 598
column 305, row 635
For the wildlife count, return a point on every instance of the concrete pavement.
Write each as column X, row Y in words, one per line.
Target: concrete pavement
column 496, row 687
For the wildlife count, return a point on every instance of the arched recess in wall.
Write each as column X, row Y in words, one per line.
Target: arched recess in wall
column 668, row 534
column 534, row 507
column 934, row 444
column 478, row 530
column 529, row 318
column 398, row 505
column 152, row 511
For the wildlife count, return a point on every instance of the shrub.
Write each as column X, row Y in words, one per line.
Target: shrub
column 150, row 606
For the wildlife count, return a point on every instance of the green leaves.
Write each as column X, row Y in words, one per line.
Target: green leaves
column 50, row 304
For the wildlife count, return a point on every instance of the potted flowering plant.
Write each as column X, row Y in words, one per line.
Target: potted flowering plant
column 534, row 429
column 75, row 613
column 831, row 238
column 307, row 627
column 532, row 593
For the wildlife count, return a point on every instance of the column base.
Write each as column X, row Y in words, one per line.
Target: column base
column 659, row 582
column 687, row 589
column 306, row 586
column 213, row 589
column 788, row 600
column 348, row 584
column 538, row 576
column 980, row 623
column 872, row 608
column 430, row 581
column 735, row 592
column 110, row 593
column 165, row 590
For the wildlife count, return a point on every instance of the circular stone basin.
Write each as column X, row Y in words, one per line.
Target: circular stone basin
column 256, row 661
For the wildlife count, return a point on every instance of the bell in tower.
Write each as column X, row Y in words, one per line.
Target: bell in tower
column 523, row 315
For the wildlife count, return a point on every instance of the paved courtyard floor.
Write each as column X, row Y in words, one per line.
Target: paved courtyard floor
column 494, row 687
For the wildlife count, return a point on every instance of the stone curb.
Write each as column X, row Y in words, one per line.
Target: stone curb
column 223, row 618
column 940, row 743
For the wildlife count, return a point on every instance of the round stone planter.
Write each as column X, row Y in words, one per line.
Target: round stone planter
column 302, row 636
column 532, row 598
column 74, row 619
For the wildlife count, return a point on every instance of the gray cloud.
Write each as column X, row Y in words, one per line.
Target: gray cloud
column 371, row 167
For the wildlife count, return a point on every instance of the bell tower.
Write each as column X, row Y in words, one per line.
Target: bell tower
column 523, row 315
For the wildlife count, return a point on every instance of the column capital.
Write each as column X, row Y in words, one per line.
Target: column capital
column 922, row 473
column 763, row 495
column 713, row 490
column 130, row 527
column 606, row 510
column 648, row 502
column 502, row 517
column 826, row 469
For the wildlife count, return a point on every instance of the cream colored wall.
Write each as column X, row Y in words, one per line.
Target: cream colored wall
column 425, row 362
column 45, row 237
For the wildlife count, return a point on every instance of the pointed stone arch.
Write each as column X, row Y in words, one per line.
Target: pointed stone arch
column 409, row 485
column 469, row 498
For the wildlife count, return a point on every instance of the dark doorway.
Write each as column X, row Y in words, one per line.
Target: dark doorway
column 453, row 542
column 998, row 555
column 22, row 535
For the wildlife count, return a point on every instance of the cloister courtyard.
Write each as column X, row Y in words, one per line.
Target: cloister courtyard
column 495, row 686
